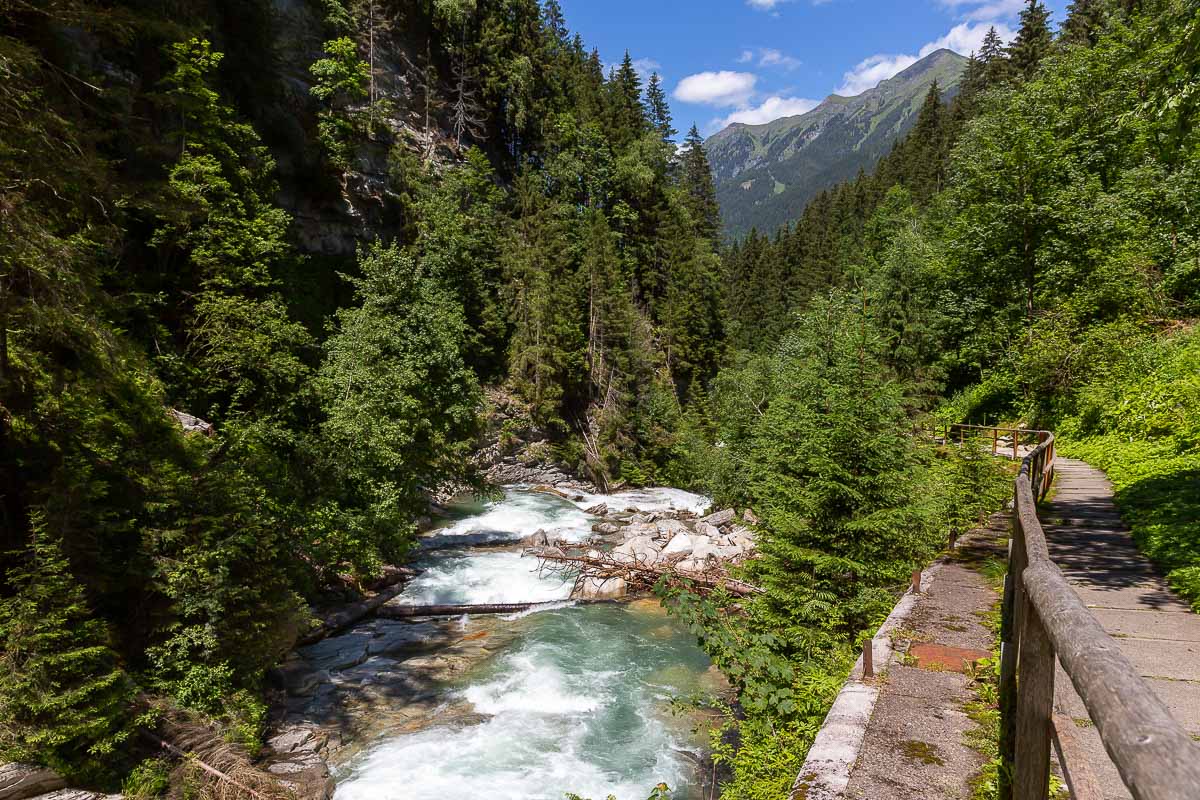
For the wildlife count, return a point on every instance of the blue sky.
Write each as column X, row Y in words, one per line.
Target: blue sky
column 753, row 61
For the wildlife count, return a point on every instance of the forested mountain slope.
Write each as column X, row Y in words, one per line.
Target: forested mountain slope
column 320, row 227
column 767, row 174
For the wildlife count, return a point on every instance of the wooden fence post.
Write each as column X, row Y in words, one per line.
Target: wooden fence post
column 1035, row 705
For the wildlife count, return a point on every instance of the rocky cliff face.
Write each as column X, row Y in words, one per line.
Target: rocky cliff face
column 766, row 174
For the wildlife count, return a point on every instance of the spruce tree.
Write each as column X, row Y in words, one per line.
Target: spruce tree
column 1033, row 40
column 627, row 115
column 1085, row 22
column 997, row 66
column 659, row 109
column 697, row 180
column 63, row 698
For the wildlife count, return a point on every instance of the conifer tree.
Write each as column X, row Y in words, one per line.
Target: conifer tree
column 697, row 180
column 64, row 700
column 1033, row 40
column 628, row 116
column 997, row 67
column 659, row 109
column 1084, row 23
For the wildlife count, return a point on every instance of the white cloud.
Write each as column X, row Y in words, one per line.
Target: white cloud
column 721, row 89
column 770, row 109
column 964, row 39
column 870, row 71
column 764, row 5
column 646, row 67
column 769, row 57
column 984, row 10
column 746, row 57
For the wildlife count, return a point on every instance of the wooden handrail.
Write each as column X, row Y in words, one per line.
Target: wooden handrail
column 1043, row 621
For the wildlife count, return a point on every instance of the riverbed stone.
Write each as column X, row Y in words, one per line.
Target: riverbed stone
column 671, row 527
column 706, row 529
column 538, row 538
column 606, row 528
column 340, row 652
column 599, row 510
column 719, row 518
column 602, row 589
column 640, row 549
column 680, row 543
column 300, row 678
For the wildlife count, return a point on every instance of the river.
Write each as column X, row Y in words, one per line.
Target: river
column 576, row 700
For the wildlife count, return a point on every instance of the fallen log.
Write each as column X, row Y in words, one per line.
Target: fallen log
column 406, row 612
column 605, row 565
column 352, row 613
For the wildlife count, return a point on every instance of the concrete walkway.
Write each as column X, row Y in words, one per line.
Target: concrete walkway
column 915, row 746
column 1155, row 629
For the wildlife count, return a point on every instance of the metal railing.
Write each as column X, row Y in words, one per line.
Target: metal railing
column 1044, row 621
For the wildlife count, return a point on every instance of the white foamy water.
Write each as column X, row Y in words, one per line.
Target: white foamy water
column 521, row 513
column 572, row 708
column 575, row 704
column 655, row 499
column 462, row 578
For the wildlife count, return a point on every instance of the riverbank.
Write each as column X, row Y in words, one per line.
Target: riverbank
column 591, row 685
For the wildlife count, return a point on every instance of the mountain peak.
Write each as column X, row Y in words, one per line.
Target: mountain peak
column 766, row 173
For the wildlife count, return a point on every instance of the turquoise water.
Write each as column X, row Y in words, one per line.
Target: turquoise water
column 578, row 702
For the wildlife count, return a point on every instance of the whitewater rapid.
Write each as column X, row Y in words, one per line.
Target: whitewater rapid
column 576, row 703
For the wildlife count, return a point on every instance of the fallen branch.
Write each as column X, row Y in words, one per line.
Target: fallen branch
column 192, row 758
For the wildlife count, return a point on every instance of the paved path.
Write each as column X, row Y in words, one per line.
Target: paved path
column 1155, row 629
column 915, row 746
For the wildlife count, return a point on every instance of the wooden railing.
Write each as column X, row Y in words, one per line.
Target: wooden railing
column 1044, row 621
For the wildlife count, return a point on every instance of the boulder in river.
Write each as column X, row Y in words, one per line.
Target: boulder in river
column 606, row 528
column 669, row 527
column 601, row 589
column 680, row 543
column 598, row 510
column 537, row 539
column 639, row 550
column 719, row 518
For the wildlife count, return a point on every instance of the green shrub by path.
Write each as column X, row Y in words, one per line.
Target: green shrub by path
column 1140, row 423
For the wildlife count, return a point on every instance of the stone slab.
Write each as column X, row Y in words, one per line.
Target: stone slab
column 1180, row 626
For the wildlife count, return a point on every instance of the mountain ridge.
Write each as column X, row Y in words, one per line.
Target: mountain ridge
column 767, row 173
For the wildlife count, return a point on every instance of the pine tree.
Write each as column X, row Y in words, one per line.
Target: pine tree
column 997, row 66
column 659, row 109
column 697, row 180
column 626, row 113
column 1033, row 40
column 1084, row 24
column 63, row 698
column 927, row 148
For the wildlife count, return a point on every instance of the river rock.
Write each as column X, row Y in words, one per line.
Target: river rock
column 705, row 529
column 299, row 678
column 750, row 517
column 599, row 510
column 339, row 652
column 681, row 543
column 291, row 740
column 642, row 518
column 639, row 550
column 670, row 527
column 691, row 565
column 538, row 538
column 606, row 528
column 719, row 518
column 20, row 781
column 703, row 548
column 602, row 589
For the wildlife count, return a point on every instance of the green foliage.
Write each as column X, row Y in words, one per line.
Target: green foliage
column 1138, row 422
column 341, row 81
column 397, row 393
column 149, row 779
column 64, row 699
